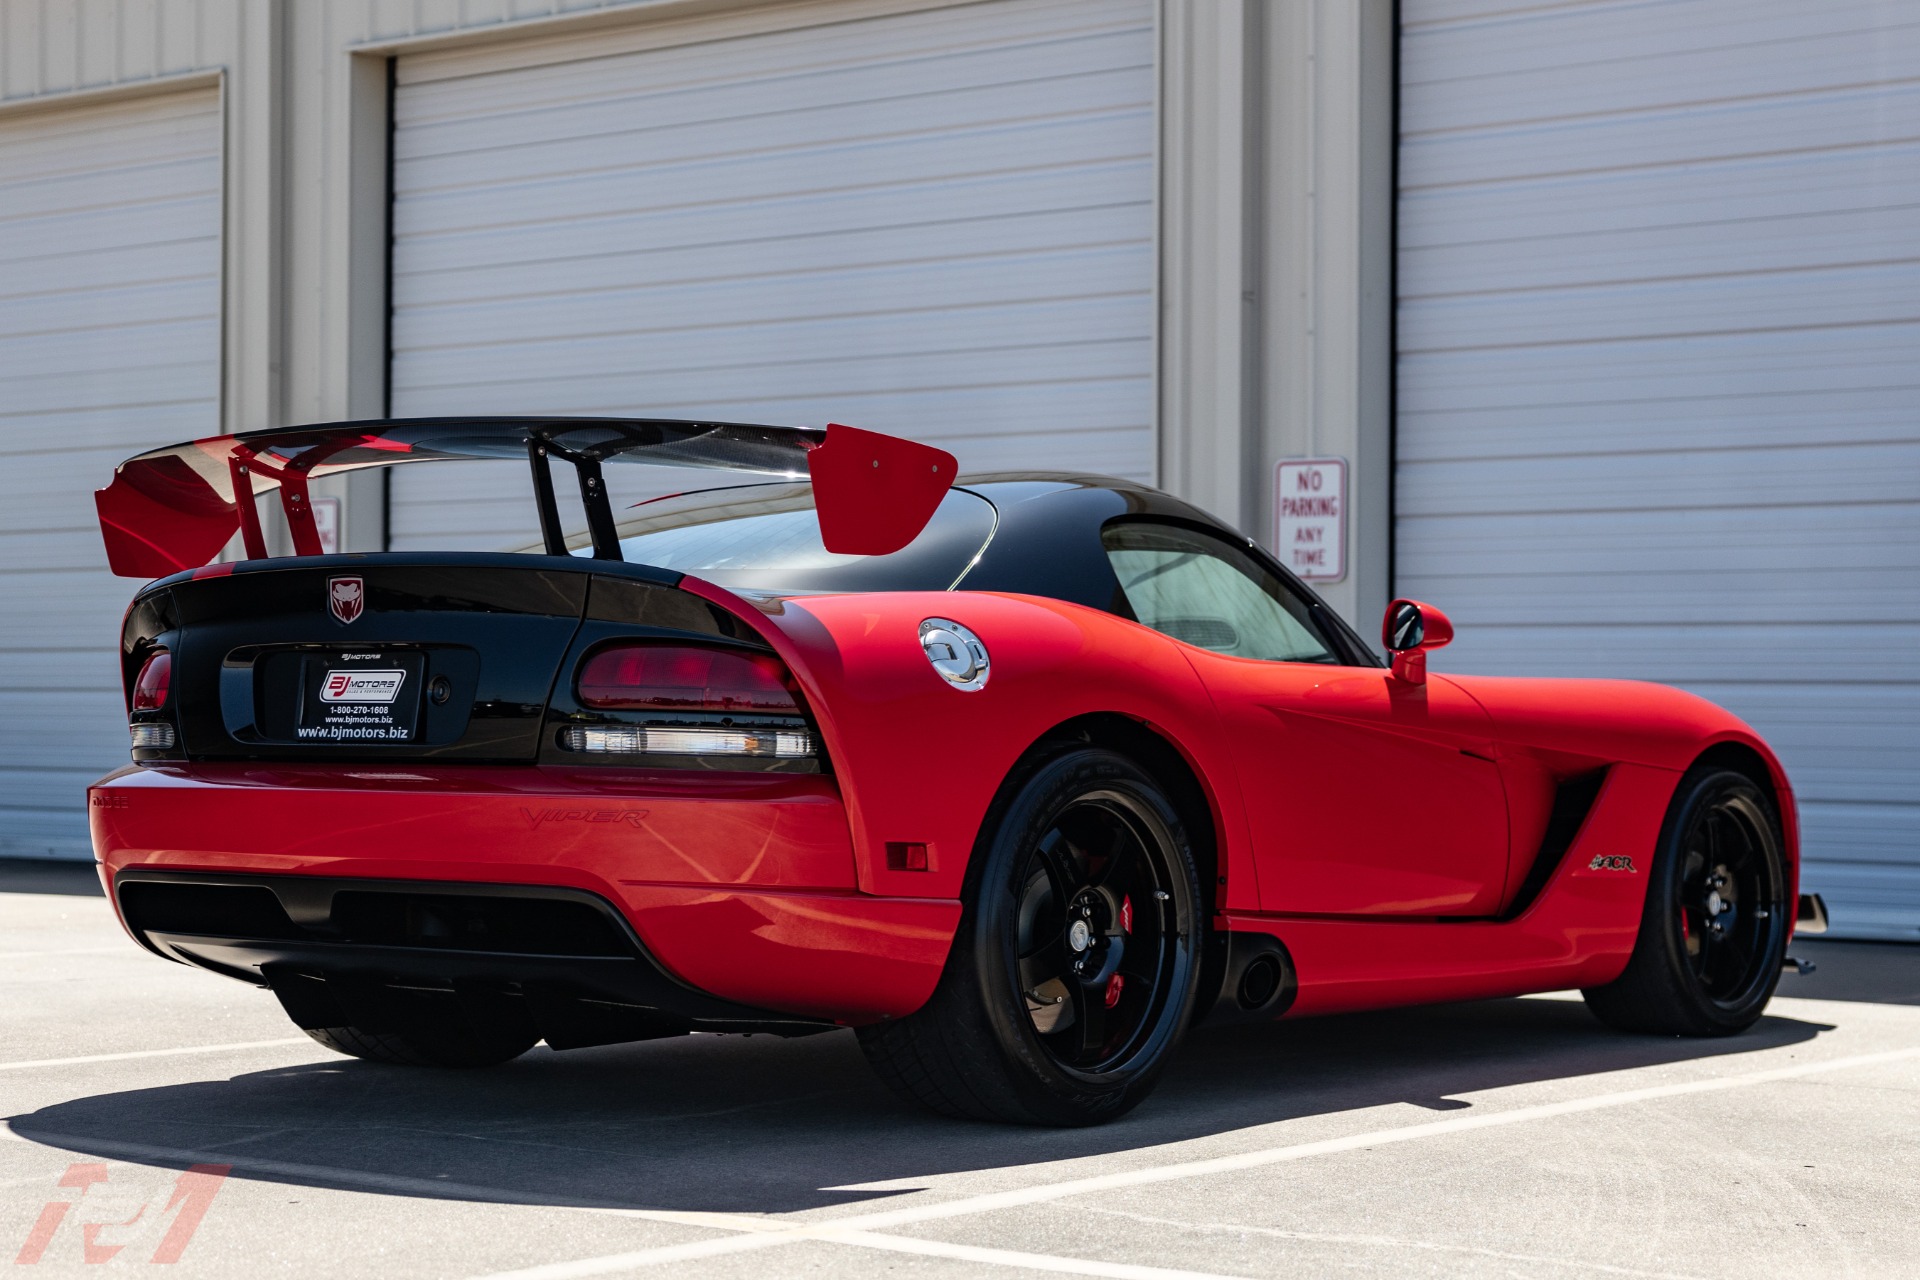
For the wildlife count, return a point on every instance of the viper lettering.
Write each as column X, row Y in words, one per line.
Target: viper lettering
column 537, row 818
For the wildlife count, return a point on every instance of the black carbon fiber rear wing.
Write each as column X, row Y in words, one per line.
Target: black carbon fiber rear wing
column 175, row 508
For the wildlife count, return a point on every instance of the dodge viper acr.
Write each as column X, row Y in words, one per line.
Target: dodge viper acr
column 1020, row 776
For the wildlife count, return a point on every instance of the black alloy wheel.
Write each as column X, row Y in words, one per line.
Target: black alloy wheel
column 1093, row 953
column 1713, row 936
column 1073, row 975
column 1729, row 894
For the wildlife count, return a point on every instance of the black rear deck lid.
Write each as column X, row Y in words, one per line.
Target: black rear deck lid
column 480, row 639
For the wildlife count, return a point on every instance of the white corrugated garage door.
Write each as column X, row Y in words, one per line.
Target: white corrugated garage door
column 109, row 344
column 939, row 224
column 1659, row 376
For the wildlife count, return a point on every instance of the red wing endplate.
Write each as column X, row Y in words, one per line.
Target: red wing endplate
column 174, row 508
column 873, row 493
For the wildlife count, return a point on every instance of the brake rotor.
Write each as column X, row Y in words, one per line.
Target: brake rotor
column 1048, row 1006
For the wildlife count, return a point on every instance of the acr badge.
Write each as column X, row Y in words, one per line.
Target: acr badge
column 347, row 598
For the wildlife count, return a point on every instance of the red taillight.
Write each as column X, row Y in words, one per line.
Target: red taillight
column 150, row 690
column 655, row 677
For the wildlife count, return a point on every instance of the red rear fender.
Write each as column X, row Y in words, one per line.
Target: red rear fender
column 919, row 760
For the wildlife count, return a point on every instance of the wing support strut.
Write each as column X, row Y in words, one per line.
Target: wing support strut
column 551, row 534
column 593, row 497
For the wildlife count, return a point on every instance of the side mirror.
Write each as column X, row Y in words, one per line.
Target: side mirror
column 1408, row 631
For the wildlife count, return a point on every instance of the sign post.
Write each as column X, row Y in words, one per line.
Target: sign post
column 1310, row 515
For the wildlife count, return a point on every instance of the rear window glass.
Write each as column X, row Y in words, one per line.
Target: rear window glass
column 766, row 537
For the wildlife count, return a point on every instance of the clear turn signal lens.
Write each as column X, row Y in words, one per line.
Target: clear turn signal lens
column 636, row 740
column 151, row 737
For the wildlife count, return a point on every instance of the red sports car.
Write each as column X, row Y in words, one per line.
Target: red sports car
column 1020, row 776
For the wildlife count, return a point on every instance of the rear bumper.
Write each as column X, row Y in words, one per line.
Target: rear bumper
column 736, row 888
column 382, row 955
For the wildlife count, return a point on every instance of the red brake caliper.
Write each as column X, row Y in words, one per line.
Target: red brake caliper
column 1116, row 984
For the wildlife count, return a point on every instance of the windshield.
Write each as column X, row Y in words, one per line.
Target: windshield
column 765, row 537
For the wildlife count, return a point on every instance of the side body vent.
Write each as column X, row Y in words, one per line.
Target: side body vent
column 1573, row 800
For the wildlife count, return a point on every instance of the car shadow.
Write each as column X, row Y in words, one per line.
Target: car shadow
column 1869, row 972
column 33, row 875
column 761, row 1125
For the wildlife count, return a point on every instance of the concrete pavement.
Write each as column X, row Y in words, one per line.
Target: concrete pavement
column 1512, row 1137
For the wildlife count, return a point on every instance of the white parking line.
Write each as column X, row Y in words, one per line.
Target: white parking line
column 1006, row 1257
column 966, row 1206
column 153, row 1053
column 868, row 1230
column 763, row 1235
column 739, row 1225
column 1354, row 1142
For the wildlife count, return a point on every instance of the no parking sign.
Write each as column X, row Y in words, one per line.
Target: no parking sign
column 1310, row 513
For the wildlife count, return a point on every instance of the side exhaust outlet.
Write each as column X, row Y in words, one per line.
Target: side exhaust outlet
column 1253, row 976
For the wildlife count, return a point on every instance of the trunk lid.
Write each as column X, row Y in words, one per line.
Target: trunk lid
column 445, row 657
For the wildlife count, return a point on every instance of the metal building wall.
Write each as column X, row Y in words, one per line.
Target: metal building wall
column 1659, row 320
column 1269, row 196
column 109, row 337
column 938, row 224
column 152, row 249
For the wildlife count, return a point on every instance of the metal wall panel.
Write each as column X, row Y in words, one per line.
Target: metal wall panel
column 89, row 44
column 1659, row 321
column 939, row 224
column 109, row 343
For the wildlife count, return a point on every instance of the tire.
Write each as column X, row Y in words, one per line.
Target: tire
column 1073, row 974
column 1713, row 935
column 438, row 1047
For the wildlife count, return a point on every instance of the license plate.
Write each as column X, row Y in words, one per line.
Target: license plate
column 362, row 698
